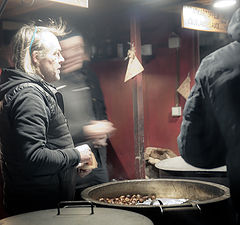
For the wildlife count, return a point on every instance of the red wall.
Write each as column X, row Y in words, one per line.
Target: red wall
column 160, row 74
column 159, row 85
column 118, row 99
column 160, row 128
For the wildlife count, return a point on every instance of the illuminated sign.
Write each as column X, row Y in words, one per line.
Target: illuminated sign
column 80, row 3
column 203, row 19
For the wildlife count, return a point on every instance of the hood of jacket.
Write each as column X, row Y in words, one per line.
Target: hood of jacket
column 234, row 26
column 11, row 78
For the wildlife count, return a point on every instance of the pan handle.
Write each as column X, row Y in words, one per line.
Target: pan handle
column 191, row 207
column 75, row 203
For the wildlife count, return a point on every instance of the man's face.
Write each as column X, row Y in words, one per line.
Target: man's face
column 73, row 53
column 49, row 65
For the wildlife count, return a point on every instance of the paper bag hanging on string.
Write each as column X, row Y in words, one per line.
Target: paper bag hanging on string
column 134, row 66
column 184, row 89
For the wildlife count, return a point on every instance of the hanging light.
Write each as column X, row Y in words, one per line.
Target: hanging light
column 224, row 3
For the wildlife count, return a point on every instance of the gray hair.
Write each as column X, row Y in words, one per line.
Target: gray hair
column 27, row 40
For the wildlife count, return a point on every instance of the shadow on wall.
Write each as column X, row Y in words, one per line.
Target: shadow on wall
column 114, row 165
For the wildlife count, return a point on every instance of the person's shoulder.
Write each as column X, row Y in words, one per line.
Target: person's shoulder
column 220, row 57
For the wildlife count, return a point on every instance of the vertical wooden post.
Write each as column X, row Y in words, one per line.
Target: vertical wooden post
column 196, row 51
column 138, row 115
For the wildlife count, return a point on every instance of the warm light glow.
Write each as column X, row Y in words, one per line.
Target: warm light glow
column 203, row 19
column 80, row 3
column 224, row 3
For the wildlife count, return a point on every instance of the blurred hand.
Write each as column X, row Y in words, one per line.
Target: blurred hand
column 100, row 142
column 83, row 173
column 85, row 154
column 98, row 129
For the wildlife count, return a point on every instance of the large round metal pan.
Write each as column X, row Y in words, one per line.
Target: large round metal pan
column 197, row 192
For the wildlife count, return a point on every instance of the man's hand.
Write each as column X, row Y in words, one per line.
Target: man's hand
column 85, row 154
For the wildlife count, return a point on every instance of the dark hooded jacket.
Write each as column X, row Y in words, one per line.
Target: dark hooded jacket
column 210, row 130
column 38, row 155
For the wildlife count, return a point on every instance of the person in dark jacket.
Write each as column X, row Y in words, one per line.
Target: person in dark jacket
column 84, row 106
column 38, row 158
column 210, row 130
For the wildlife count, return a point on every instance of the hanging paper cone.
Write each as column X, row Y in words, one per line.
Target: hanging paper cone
column 184, row 88
column 134, row 67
